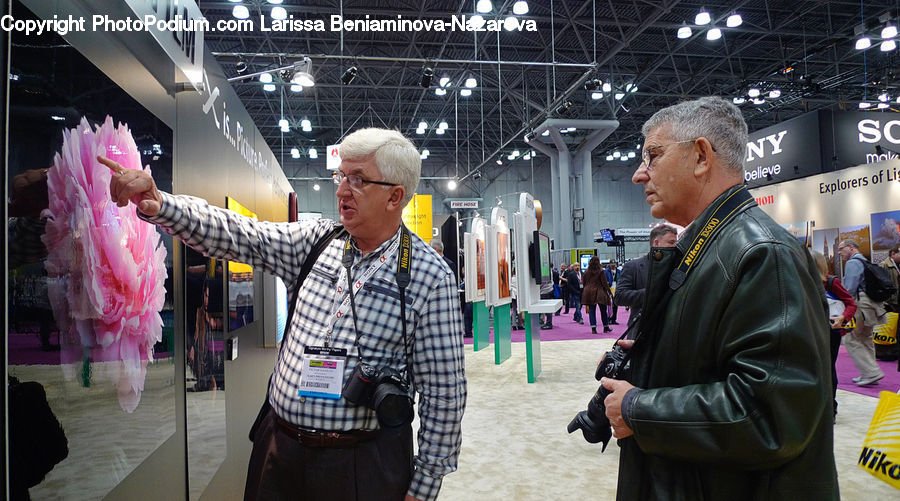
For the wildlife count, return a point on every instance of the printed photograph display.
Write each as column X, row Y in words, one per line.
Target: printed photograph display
column 91, row 310
column 503, row 263
column 480, row 265
column 826, row 241
column 798, row 230
column 859, row 234
column 885, row 233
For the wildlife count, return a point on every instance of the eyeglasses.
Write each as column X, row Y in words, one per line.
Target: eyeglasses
column 356, row 182
column 646, row 154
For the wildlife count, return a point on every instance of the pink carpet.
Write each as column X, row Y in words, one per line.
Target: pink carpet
column 565, row 329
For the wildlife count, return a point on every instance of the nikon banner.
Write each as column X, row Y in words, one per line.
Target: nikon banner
column 886, row 333
column 880, row 454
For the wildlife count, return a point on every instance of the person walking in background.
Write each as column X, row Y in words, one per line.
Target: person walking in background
column 834, row 292
column 596, row 293
column 612, row 276
column 859, row 343
column 573, row 285
column 892, row 265
column 564, row 290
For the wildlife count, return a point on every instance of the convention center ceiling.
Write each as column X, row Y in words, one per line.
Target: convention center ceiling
column 479, row 92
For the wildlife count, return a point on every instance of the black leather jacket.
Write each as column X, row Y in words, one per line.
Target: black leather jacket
column 736, row 402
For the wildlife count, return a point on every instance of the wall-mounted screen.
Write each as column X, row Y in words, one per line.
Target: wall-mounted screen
column 607, row 235
column 540, row 258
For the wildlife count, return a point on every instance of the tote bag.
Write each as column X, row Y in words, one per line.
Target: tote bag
column 881, row 448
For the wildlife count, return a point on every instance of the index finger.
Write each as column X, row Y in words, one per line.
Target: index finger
column 113, row 165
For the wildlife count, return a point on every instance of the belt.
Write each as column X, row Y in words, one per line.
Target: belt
column 316, row 438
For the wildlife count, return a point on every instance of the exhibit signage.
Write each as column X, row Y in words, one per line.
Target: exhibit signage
column 333, row 159
column 417, row 216
column 183, row 45
column 464, row 204
column 863, row 137
column 788, row 150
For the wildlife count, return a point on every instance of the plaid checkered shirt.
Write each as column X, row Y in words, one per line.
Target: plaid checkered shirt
column 434, row 323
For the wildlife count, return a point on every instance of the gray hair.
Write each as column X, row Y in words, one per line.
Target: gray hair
column 711, row 117
column 437, row 245
column 851, row 243
column 660, row 230
column 397, row 158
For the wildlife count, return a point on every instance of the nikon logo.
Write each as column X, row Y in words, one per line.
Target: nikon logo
column 875, row 460
column 884, row 339
column 693, row 253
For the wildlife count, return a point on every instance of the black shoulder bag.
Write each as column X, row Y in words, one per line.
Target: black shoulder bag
column 304, row 271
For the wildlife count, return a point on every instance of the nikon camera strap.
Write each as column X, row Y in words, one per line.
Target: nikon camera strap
column 726, row 211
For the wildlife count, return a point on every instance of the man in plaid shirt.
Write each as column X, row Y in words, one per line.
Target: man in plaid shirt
column 326, row 447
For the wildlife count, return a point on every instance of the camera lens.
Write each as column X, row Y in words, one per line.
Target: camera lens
column 392, row 405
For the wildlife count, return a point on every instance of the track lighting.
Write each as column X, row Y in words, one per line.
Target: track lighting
column 302, row 75
column 563, row 108
column 349, row 75
column 427, row 76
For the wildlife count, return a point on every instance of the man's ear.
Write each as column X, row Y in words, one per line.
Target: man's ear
column 397, row 194
column 703, row 152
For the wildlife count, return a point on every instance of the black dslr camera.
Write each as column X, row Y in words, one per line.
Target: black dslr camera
column 593, row 422
column 383, row 390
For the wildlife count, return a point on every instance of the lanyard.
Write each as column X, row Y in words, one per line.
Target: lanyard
column 357, row 285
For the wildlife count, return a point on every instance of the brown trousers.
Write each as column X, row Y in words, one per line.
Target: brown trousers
column 282, row 469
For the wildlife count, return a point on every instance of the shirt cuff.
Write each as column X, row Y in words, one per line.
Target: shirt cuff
column 424, row 487
column 166, row 212
column 628, row 405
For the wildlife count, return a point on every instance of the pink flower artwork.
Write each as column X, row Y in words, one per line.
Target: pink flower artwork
column 106, row 267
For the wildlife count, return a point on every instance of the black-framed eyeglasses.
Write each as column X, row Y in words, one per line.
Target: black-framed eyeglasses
column 356, row 182
column 647, row 157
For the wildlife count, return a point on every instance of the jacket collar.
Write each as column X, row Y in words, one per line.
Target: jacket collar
column 690, row 233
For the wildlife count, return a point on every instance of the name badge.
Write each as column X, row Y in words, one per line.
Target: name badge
column 322, row 373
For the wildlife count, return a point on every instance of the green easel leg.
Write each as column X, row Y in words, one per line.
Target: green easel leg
column 481, row 326
column 533, row 345
column 502, row 334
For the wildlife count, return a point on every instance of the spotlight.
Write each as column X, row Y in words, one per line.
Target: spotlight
column 864, row 105
column 774, row 93
column 563, row 108
column 619, row 96
column 863, row 43
column 882, row 106
column 596, row 95
column 684, row 32
column 349, row 75
column 265, row 78
column 452, row 184
column 296, row 88
column 884, row 97
column 702, row 18
column 241, row 67
column 278, row 13
column 499, row 162
column 269, row 87
column 302, row 75
column 316, row 187
column 888, row 45
column 240, row 12
column 444, row 81
column 734, row 21
column 440, row 91
column 443, row 125
column 714, row 34
column 427, row 76
column 471, row 83
column 753, row 92
column 484, row 6
column 610, row 158
column 607, row 87
column 889, row 31
column 738, row 100
column 465, row 92
column 593, row 84
column 520, row 7
column 758, row 100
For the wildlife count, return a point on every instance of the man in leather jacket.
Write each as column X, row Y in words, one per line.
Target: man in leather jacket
column 727, row 396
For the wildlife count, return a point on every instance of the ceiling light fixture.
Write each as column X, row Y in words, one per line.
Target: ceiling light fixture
column 520, row 7
column 619, row 96
column 596, row 95
column 889, row 31
column 269, row 87
column 265, row 78
column 753, row 92
column 316, row 187
column 863, row 43
column 295, row 153
column 241, row 67
column 864, row 105
column 883, row 106
column 607, row 87
column 443, row 125
column 609, row 158
column 734, row 20
column 702, row 18
column 278, row 13
column 714, row 34
column 758, row 100
column 884, row 97
column 313, row 153
column 484, row 6
column 465, row 92
column 888, row 45
column 510, row 23
column 427, row 76
column 738, row 100
column 302, row 75
column 684, row 32
column 240, row 12
column 349, row 75
column 440, row 91
column 563, row 108
column 306, row 125
column 452, row 184
column 774, row 93
column 296, row 88
column 471, row 83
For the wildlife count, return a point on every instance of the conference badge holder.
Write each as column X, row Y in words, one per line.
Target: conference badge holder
column 322, row 373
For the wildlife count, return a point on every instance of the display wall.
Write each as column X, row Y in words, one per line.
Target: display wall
column 861, row 203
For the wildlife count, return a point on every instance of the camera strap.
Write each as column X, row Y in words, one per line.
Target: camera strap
column 402, row 277
column 726, row 211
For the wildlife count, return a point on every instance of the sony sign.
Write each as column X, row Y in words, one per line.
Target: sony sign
column 872, row 132
column 854, row 138
column 784, row 151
